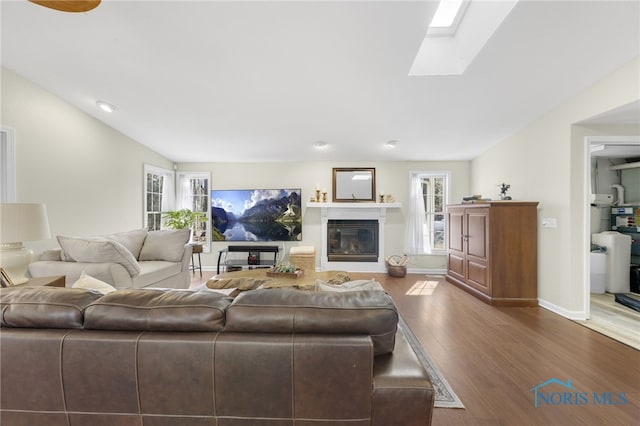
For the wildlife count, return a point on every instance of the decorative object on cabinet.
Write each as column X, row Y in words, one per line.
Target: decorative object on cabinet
column 504, row 187
column 354, row 185
column 492, row 251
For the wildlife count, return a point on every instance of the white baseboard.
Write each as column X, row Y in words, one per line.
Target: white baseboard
column 572, row 315
column 409, row 270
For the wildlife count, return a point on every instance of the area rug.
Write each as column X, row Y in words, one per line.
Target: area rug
column 445, row 396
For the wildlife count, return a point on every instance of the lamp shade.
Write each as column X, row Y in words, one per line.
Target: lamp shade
column 23, row 222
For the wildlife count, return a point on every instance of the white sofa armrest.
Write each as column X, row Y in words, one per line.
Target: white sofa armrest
column 186, row 257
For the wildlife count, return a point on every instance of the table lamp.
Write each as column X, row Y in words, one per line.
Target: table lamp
column 19, row 223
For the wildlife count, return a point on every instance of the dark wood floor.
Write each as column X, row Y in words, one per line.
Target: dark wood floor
column 494, row 357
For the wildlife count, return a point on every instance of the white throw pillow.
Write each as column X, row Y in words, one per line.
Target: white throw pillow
column 99, row 250
column 165, row 245
column 132, row 240
column 91, row 283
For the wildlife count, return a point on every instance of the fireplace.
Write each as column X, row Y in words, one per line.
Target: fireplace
column 352, row 240
column 359, row 244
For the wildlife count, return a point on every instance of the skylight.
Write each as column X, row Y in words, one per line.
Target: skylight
column 447, row 17
column 450, row 50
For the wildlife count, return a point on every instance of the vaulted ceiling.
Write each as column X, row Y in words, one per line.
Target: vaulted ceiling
column 210, row 81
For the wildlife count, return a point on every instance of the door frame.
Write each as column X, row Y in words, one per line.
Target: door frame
column 593, row 140
column 7, row 165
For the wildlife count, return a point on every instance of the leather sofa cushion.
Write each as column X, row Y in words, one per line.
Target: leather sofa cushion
column 44, row 307
column 293, row 311
column 158, row 310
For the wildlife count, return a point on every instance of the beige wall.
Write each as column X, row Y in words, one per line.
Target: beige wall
column 88, row 175
column 545, row 162
column 392, row 177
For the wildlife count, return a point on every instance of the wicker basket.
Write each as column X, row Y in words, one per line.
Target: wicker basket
column 396, row 271
column 304, row 261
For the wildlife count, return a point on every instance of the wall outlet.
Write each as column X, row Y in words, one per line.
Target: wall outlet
column 549, row 222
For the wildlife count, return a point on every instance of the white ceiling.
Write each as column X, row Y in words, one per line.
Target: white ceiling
column 210, row 81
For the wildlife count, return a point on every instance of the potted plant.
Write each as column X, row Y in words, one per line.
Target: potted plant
column 182, row 219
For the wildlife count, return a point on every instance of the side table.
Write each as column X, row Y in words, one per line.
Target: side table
column 55, row 281
column 197, row 249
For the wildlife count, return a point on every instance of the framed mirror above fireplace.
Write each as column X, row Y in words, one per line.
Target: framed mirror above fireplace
column 354, row 185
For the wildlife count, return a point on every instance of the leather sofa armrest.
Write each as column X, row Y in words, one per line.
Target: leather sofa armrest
column 402, row 391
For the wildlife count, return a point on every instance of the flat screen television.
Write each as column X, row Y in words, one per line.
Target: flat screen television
column 256, row 215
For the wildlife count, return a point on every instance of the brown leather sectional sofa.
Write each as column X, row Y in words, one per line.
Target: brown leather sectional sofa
column 171, row 357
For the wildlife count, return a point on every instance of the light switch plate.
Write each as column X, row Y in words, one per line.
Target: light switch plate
column 549, row 222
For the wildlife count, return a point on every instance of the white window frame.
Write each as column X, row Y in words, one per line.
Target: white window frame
column 185, row 200
column 7, row 165
column 168, row 191
column 427, row 223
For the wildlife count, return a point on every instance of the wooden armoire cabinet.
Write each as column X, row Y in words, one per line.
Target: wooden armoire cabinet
column 492, row 251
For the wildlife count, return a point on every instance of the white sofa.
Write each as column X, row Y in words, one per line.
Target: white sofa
column 133, row 259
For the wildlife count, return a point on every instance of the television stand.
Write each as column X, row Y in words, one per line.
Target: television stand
column 252, row 260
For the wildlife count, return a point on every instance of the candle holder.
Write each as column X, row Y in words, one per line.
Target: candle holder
column 324, row 197
column 317, row 195
column 382, row 198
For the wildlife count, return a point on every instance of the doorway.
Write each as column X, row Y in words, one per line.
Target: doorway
column 7, row 165
column 605, row 158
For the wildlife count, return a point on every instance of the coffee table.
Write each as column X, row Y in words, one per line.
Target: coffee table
column 53, row 281
column 306, row 281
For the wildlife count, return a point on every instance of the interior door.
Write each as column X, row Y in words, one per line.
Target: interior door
column 477, row 240
column 455, row 252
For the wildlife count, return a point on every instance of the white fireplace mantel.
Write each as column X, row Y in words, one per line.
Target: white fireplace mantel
column 354, row 205
column 355, row 211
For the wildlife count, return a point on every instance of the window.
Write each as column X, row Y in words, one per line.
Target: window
column 158, row 195
column 193, row 193
column 428, row 198
column 161, row 194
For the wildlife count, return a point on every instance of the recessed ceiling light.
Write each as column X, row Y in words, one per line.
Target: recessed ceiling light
column 106, row 106
column 320, row 144
column 391, row 143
